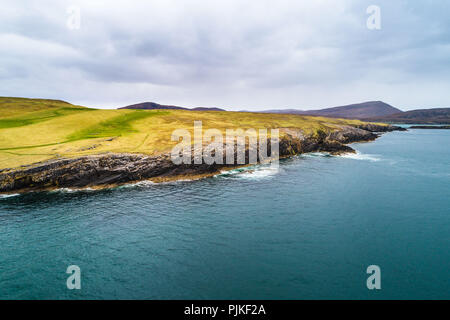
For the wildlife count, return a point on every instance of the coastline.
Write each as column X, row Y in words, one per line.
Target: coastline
column 431, row 127
column 110, row 170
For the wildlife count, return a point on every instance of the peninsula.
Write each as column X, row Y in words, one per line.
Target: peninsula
column 48, row 144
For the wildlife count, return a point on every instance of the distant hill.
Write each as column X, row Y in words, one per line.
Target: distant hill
column 353, row 111
column 151, row 106
column 421, row 116
column 286, row 111
column 154, row 106
column 359, row 110
column 206, row 109
column 368, row 111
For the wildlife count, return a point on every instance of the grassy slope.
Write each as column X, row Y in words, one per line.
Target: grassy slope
column 33, row 130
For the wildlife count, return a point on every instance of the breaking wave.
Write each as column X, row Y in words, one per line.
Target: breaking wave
column 252, row 172
column 361, row 156
column 4, row 196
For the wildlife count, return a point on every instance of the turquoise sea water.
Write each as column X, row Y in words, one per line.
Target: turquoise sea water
column 306, row 231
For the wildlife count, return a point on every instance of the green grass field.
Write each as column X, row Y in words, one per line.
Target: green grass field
column 33, row 130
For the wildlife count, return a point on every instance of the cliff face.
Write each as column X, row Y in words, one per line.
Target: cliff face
column 112, row 169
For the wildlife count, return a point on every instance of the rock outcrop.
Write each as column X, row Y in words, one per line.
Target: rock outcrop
column 113, row 169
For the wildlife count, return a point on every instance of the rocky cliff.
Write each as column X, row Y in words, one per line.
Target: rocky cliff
column 113, row 169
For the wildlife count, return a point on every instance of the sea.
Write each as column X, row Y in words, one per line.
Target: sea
column 306, row 230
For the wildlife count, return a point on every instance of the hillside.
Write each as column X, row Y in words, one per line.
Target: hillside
column 38, row 130
column 421, row 116
column 352, row 111
column 21, row 111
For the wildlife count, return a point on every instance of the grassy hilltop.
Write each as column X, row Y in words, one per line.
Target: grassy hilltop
column 33, row 130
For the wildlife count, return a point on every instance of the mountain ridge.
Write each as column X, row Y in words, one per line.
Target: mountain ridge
column 352, row 111
column 157, row 106
column 373, row 111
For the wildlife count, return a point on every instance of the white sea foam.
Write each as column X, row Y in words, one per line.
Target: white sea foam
column 177, row 181
column 70, row 190
column 361, row 156
column 4, row 196
column 143, row 183
column 251, row 172
column 316, row 154
column 148, row 183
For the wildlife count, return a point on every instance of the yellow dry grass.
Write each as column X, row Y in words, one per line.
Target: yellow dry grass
column 31, row 130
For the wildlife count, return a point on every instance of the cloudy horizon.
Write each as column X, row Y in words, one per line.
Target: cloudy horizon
column 236, row 55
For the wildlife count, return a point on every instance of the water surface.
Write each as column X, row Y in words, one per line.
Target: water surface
column 306, row 231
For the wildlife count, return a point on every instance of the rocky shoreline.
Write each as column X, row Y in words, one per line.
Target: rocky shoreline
column 431, row 127
column 110, row 169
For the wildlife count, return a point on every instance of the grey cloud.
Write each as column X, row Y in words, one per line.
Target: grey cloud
column 246, row 54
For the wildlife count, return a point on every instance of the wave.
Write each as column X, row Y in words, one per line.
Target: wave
column 316, row 154
column 143, row 183
column 5, row 196
column 149, row 183
column 70, row 190
column 361, row 156
column 255, row 172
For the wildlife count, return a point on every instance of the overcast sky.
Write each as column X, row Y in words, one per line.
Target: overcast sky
column 249, row 55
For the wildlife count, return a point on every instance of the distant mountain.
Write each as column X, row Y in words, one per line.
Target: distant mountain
column 151, row 106
column 154, row 106
column 206, row 109
column 287, row 111
column 359, row 110
column 421, row 116
column 353, row 111
column 377, row 111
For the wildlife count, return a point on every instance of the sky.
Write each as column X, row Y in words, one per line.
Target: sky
column 238, row 55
